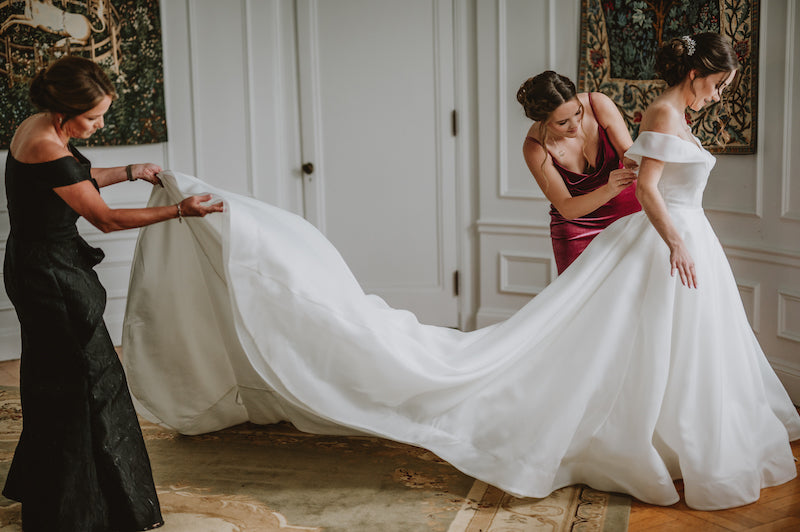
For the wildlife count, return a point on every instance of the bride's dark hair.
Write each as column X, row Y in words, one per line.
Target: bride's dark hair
column 707, row 53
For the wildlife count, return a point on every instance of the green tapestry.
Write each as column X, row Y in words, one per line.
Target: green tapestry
column 123, row 36
column 619, row 40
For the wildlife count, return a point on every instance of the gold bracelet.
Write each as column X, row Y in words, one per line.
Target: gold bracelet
column 180, row 216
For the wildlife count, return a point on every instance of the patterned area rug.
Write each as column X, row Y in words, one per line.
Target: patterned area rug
column 276, row 478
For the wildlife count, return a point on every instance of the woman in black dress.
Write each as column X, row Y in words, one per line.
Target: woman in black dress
column 81, row 464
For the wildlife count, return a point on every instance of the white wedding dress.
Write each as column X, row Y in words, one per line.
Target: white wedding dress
column 616, row 375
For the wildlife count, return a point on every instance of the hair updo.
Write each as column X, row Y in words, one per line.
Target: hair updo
column 71, row 85
column 543, row 93
column 710, row 54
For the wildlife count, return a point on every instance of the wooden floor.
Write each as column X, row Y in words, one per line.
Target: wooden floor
column 778, row 509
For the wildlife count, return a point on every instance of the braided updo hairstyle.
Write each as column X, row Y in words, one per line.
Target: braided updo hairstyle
column 71, row 85
column 710, row 54
column 543, row 93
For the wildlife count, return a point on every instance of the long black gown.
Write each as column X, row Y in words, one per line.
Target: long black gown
column 80, row 464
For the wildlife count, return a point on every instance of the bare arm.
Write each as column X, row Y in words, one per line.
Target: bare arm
column 660, row 120
column 608, row 115
column 552, row 184
column 109, row 176
column 84, row 199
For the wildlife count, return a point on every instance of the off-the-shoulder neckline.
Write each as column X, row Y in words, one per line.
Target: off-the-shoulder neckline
column 695, row 144
column 43, row 162
column 75, row 155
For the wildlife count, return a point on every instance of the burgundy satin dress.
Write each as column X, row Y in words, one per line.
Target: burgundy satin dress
column 570, row 237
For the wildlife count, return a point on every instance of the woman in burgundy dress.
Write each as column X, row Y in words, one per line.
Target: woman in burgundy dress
column 573, row 151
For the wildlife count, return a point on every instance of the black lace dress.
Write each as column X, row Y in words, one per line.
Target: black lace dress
column 80, row 464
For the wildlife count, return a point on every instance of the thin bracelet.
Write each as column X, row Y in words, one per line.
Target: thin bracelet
column 129, row 172
column 180, row 216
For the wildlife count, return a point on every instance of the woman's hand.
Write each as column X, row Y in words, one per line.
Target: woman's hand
column 620, row 179
column 147, row 171
column 681, row 261
column 193, row 206
column 630, row 163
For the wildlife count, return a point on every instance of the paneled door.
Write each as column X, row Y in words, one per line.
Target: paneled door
column 378, row 147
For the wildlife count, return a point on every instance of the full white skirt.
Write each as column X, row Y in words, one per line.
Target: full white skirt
column 615, row 376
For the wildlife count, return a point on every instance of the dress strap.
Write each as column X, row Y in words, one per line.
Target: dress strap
column 542, row 145
column 591, row 104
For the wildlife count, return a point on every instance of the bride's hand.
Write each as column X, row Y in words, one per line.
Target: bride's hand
column 194, row 206
column 680, row 260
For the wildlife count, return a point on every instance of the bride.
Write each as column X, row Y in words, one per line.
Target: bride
column 676, row 386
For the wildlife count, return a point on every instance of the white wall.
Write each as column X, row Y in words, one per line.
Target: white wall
column 753, row 201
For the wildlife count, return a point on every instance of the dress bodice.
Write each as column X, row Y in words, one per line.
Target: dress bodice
column 35, row 211
column 607, row 160
column 686, row 166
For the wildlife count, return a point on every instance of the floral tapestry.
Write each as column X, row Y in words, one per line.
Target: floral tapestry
column 619, row 40
column 123, row 36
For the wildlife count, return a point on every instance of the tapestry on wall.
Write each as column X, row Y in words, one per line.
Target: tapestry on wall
column 619, row 40
column 123, row 36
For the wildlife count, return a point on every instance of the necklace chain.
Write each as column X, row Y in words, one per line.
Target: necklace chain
column 559, row 150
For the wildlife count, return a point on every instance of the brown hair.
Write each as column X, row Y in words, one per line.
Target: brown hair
column 71, row 85
column 707, row 53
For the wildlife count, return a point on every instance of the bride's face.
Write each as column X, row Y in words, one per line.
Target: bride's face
column 565, row 120
column 709, row 89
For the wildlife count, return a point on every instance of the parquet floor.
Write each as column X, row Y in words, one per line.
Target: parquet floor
column 778, row 509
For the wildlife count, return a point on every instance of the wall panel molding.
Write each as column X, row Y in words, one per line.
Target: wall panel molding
column 506, row 190
column 513, row 227
column 531, row 261
column 790, row 377
column 764, row 254
column 750, row 293
column 196, row 123
column 789, row 211
column 249, row 97
column 788, row 312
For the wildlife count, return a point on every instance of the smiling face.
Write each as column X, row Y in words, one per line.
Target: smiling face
column 85, row 124
column 565, row 120
column 708, row 90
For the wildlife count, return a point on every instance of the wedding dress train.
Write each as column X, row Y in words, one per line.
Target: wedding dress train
column 616, row 375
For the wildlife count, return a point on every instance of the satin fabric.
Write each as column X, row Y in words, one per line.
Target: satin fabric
column 570, row 237
column 253, row 315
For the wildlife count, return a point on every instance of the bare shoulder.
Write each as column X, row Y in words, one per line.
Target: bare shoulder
column 33, row 144
column 603, row 103
column 532, row 147
column 661, row 117
column 606, row 111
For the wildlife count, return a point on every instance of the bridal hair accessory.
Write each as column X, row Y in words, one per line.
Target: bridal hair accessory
column 690, row 44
